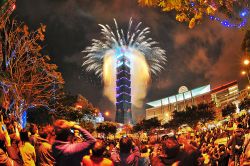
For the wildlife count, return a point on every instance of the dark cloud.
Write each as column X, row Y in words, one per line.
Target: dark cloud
column 209, row 53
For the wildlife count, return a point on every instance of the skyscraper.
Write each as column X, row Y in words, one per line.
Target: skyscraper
column 123, row 88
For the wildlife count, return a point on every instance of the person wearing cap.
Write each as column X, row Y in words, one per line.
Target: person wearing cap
column 64, row 150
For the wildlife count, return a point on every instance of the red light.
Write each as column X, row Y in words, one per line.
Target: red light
column 13, row 7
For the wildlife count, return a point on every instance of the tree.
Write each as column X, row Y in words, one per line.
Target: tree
column 138, row 128
column 40, row 115
column 6, row 8
column 28, row 79
column 206, row 112
column 150, row 124
column 76, row 108
column 192, row 115
column 245, row 104
column 88, row 125
column 107, row 128
column 228, row 109
column 193, row 11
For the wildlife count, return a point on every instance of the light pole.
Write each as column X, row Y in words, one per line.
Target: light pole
column 246, row 63
column 246, row 73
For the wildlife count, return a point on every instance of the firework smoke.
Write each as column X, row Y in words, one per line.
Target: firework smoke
column 145, row 59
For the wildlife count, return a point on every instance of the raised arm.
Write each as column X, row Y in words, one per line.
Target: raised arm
column 83, row 146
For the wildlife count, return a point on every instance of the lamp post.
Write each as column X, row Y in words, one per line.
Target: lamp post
column 246, row 63
column 246, row 73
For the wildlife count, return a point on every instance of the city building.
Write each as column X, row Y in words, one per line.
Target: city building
column 123, row 89
column 224, row 94
column 163, row 108
column 221, row 95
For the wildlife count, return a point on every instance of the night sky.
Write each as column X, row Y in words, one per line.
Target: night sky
column 209, row 53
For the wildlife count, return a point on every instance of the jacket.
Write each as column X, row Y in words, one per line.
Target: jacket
column 71, row 154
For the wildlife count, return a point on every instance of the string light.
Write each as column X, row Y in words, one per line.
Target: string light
column 123, row 78
column 227, row 24
column 13, row 55
column 123, row 86
column 123, row 101
column 123, row 93
column 244, row 14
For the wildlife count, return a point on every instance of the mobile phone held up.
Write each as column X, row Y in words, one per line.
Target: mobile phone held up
column 4, row 127
column 72, row 131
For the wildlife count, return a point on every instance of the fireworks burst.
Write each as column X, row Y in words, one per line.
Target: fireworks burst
column 145, row 59
column 135, row 38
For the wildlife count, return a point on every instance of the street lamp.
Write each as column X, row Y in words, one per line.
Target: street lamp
column 246, row 73
column 246, row 62
column 106, row 113
column 243, row 72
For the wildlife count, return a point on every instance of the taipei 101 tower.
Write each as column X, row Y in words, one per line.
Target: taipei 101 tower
column 123, row 87
column 125, row 59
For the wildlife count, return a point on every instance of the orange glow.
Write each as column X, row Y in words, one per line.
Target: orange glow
column 78, row 106
column 246, row 62
column 248, row 87
column 107, row 113
column 243, row 72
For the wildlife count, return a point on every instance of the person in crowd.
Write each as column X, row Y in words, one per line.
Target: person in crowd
column 26, row 149
column 144, row 159
column 169, row 154
column 34, row 133
column 44, row 148
column 65, row 152
column 246, row 150
column 9, row 156
column 223, row 156
column 128, row 154
column 97, row 159
column 235, row 144
column 176, row 152
column 110, row 148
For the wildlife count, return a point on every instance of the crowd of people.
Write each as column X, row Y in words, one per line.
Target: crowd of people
column 67, row 144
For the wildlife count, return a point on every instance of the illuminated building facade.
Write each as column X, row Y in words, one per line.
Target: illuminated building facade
column 163, row 108
column 224, row 94
column 123, row 88
column 220, row 96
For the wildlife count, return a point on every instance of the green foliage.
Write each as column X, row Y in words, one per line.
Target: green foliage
column 245, row 104
column 75, row 108
column 138, row 127
column 228, row 109
column 107, row 128
column 192, row 115
column 31, row 78
column 39, row 115
column 147, row 125
column 88, row 125
column 193, row 11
